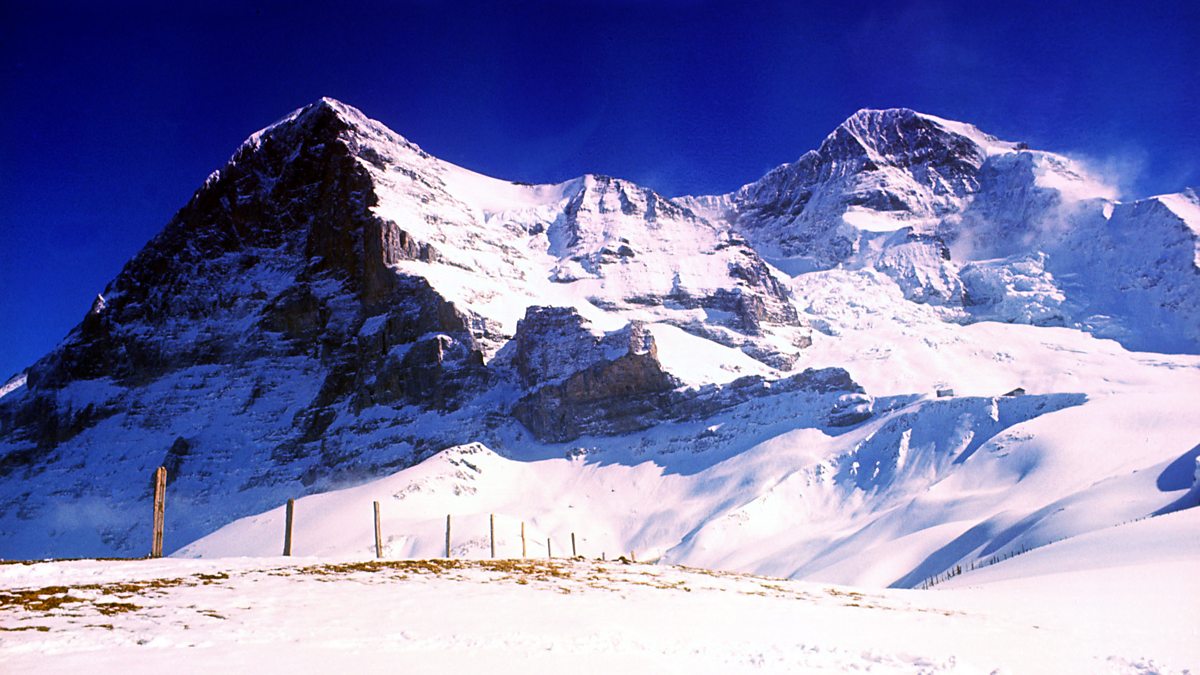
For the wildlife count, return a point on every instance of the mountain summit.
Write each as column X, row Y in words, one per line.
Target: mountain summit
column 335, row 305
column 988, row 228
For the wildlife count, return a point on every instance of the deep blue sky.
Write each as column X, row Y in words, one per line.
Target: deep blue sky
column 111, row 116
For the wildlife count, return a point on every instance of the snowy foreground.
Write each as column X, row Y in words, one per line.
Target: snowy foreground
column 1080, row 606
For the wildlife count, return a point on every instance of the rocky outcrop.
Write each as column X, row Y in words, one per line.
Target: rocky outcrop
column 851, row 409
column 585, row 383
column 610, row 397
column 419, row 351
column 552, row 343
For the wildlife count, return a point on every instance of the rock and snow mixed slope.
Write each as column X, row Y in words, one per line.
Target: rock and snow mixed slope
column 988, row 229
column 741, row 381
column 924, row 486
column 335, row 303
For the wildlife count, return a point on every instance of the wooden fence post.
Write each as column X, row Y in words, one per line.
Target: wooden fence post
column 447, row 535
column 287, row 527
column 492, row 530
column 522, row 539
column 548, row 548
column 573, row 553
column 160, row 498
column 378, row 534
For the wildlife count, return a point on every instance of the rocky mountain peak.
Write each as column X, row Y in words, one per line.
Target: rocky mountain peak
column 870, row 140
column 321, row 116
column 871, row 125
column 906, row 135
column 878, row 171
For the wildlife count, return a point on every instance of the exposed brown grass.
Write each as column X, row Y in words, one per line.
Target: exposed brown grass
column 430, row 566
column 58, row 598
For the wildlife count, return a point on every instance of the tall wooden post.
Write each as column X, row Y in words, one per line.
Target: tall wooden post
column 522, row 539
column 492, row 528
column 548, row 548
column 573, row 553
column 378, row 534
column 447, row 535
column 287, row 527
column 160, row 498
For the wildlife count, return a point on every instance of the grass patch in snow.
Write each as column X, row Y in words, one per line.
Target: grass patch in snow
column 55, row 598
column 96, row 597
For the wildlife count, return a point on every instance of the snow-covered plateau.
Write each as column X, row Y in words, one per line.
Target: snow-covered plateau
column 922, row 400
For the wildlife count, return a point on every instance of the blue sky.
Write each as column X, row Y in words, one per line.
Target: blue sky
column 111, row 116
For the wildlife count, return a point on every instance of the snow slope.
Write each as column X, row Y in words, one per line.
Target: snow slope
column 509, row 616
column 925, row 486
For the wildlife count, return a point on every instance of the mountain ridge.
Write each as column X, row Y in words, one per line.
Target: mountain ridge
column 335, row 304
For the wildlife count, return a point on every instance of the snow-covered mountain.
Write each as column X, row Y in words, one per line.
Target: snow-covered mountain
column 743, row 381
column 988, row 229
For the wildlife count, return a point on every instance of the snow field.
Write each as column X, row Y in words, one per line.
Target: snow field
column 309, row 614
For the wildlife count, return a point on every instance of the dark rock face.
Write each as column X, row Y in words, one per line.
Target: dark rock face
column 419, row 351
column 277, row 264
column 609, row 397
column 297, row 313
column 597, row 402
column 433, row 372
column 38, row 419
column 584, row 383
column 293, row 204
